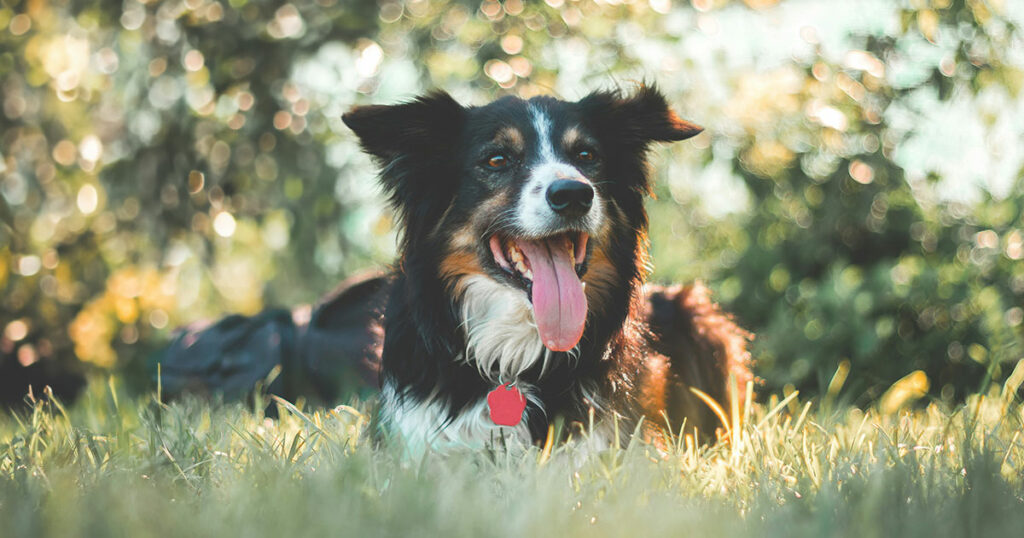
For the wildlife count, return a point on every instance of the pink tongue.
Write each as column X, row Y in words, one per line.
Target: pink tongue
column 559, row 305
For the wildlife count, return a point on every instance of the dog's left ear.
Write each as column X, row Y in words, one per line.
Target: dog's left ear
column 426, row 126
column 638, row 119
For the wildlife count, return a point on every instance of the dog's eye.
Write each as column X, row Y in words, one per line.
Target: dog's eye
column 497, row 161
column 585, row 155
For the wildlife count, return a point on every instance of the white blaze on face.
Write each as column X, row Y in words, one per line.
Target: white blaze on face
column 534, row 215
column 542, row 124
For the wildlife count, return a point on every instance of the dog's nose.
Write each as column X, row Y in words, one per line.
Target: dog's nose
column 570, row 197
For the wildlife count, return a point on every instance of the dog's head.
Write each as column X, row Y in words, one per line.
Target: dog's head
column 531, row 194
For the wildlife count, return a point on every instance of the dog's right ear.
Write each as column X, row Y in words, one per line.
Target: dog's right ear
column 427, row 126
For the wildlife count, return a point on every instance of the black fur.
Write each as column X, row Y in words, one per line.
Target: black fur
column 429, row 151
column 639, row 353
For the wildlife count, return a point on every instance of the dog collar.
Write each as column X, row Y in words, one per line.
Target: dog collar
column 506, row 404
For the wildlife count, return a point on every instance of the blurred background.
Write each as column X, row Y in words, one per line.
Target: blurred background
column 855, row 200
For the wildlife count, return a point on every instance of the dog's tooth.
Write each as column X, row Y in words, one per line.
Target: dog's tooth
column 528, row 274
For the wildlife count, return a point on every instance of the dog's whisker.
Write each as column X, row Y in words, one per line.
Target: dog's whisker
column 499, row 223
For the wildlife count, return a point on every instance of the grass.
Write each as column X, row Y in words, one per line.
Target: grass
column 116, row 467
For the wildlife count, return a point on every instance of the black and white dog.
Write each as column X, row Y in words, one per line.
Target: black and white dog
column 519, row 296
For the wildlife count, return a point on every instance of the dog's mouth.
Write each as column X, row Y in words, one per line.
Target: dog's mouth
column 549, row 269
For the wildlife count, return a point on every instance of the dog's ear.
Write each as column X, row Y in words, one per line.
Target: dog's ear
column 637, row 119
column 426, row 126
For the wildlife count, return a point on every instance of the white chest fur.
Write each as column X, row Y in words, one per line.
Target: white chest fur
column 423, row 425
column 501, row 335
column 502, row 342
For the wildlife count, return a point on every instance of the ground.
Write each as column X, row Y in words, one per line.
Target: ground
column 117, row 466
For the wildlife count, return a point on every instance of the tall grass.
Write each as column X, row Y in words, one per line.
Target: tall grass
column 112, row 466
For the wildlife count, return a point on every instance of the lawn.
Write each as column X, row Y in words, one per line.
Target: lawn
column 117, row 466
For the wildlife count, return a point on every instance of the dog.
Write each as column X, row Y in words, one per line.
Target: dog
column 518, row 301
column 521, row 270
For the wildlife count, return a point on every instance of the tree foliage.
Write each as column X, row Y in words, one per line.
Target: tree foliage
column 162, row 161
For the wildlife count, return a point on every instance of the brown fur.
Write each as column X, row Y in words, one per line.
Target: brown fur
column 511, row 137
column 455, row 267
column 601, row 275
column 571, row 137
column 705, row 348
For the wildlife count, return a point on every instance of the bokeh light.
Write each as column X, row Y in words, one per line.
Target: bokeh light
column 855, row 199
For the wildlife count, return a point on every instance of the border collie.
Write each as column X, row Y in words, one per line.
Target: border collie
column 518, row 299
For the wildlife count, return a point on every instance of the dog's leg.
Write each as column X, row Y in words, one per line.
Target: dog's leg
column 700, row 347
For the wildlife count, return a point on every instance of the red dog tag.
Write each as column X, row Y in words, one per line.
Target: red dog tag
column 506, row 405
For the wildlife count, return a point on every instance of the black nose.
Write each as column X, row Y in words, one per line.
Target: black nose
column 570, row 197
